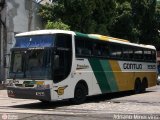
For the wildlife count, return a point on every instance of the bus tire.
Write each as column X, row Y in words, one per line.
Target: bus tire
column 79, row 94
column 144, row 85
column 137, row 86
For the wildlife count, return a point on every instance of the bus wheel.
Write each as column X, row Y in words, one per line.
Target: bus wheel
column 80, row 94
column 144, row 85
column 137, row 87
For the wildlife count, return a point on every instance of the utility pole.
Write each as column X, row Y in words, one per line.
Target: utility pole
column 3, row 39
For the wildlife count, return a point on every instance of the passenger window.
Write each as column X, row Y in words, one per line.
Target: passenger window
column 147, row 55
column 154, row 56
column 96, row 49
column 79, row 45
column 105, row 51
column 138, row 54
column 115, row 51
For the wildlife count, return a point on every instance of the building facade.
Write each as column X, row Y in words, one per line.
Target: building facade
column 16, row 16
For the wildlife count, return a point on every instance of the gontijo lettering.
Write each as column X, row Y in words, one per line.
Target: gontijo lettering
column 132, row 66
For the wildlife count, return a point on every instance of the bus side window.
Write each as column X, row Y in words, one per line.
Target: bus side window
column 86, row 51
column 147, row 55
column 130, row 53
column 154, row 56
column 96, row 50
column 79, row 45
column 115, row 51
column 138, row 54
column 105, row 51
column 62, row 57
column 78, row 51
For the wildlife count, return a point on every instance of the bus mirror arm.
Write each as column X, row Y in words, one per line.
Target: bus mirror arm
column 56, row 62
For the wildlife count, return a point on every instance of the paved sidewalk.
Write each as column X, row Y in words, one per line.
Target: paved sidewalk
column 3, row 93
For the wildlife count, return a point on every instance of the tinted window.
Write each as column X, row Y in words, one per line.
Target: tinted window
column 128, row 53
column 138, row 54
column 87, row 47
column 115, row 51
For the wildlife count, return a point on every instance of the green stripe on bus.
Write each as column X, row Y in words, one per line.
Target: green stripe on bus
column 100, row 75
column 86, row 35
column 109, row 75
column 81, row 34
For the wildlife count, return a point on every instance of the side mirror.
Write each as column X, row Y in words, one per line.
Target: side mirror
column 56, row 62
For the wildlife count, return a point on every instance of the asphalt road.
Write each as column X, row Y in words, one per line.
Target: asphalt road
column 121, row 106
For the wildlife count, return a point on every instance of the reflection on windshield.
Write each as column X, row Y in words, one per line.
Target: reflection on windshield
column 35, row 60
column 33, row 64
column 17, row 65
column 38, row 64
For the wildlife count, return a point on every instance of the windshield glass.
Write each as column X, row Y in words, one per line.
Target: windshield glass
column 32, row 64
column 30, row 57
column 17, row 64
column 38, row 64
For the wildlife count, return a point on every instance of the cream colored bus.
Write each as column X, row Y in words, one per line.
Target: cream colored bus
column 51, row 65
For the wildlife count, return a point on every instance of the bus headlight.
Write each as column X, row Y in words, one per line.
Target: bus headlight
column 43, row 86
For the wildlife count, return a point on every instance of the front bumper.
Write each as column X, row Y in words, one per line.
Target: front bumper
column 29, row 93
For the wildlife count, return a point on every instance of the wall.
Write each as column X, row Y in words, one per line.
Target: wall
column 16, row 17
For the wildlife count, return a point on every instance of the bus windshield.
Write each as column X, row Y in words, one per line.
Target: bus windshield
column 31, row 57
column 33, row 64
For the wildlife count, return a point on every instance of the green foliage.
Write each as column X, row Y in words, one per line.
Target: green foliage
column 135, row 20
column 56, row 25
column 46, row 12
column 144, row 19
column 122, row 24
column 88, row 16
column 157, row 27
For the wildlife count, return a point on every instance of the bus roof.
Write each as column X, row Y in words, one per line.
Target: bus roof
column 93, row 36
column 42, row 32
column 114, row 40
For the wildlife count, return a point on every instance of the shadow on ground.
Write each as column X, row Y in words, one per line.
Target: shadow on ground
column 93, row 99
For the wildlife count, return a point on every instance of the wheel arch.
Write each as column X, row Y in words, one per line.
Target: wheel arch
column 138, row 79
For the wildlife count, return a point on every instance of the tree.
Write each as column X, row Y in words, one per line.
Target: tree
column 57, row 25
column 143, row 12
column 88, row 16
column 157, row 27
column 122, row 25
column 135, row 20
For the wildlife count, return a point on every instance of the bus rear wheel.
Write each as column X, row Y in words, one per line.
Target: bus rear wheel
column 144, row 85
column 80, row 94
column 137, row 87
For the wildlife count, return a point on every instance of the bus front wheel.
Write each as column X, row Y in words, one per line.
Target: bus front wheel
column 80, row 94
